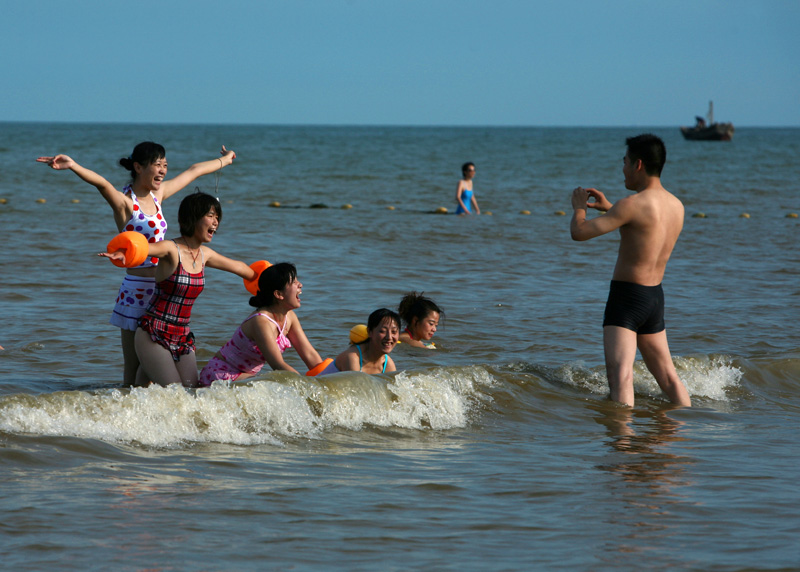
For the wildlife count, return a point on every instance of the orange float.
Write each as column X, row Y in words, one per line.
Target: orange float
column 319, row 368
column 258, row 266
column 133, row 245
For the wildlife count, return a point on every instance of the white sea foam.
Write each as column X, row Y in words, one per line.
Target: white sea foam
column 259, row 411
column 704, row 376
column 708, row 376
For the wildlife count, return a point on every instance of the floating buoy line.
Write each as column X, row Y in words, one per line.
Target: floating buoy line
column 438, row 210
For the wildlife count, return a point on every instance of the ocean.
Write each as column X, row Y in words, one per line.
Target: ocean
column 499, row 450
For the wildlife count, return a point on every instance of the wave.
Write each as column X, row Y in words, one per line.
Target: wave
column 278, row 406
column 712, row 377
column 253, row 412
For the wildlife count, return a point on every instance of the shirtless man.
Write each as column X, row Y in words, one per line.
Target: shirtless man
column 649, row 224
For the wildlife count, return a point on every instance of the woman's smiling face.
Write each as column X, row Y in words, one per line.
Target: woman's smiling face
column 425, row 329
column 385, row 336
column 152, row 175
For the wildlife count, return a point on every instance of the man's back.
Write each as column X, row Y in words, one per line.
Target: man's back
column 647, row 240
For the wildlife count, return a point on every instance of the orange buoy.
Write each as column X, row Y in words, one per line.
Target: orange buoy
column 252, row 285
column 134, row 246
column 319, row 368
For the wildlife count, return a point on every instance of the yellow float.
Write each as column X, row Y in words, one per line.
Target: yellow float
column 358, row 333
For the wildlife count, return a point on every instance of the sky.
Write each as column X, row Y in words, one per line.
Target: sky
column 401, row 62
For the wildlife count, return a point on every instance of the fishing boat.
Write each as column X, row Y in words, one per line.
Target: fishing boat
column 708, row 130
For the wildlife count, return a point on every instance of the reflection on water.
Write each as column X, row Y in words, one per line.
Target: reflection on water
column 647, row 492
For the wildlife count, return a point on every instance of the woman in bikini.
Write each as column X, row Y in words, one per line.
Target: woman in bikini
column 266, row 333
column 138, row 208
column 371, row 355
column 164, row 343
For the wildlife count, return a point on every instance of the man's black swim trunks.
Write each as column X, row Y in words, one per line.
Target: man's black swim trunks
column 635, row 307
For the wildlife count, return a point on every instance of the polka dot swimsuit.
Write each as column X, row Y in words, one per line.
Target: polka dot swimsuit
column 153, row 227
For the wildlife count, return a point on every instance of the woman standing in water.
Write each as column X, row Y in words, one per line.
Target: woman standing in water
column 164, row 342
column 465, row 197
column 138, row 208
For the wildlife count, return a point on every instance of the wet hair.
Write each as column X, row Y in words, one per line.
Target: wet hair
column 417, row 306
column 193, row 208
column 145, row 153
column 650, row 149
column 466, row 166
column 275, row 277
column 377, row 317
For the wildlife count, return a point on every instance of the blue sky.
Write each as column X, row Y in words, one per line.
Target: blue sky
column 413, row 62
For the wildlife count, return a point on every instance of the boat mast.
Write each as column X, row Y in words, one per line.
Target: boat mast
column 710, row 112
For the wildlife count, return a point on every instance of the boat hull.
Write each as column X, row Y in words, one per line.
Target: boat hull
column 714, row 132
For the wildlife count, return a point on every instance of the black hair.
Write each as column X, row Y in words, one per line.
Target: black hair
column 378, row 316
column 193, row 208
column 145, row 153
column 417, row 306
column 650, row 149
column 275, row 277
column 466, row 166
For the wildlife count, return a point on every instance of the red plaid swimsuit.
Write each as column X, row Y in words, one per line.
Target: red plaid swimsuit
column 167, row 317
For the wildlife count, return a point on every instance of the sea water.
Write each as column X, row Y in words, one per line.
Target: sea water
column 497, row 451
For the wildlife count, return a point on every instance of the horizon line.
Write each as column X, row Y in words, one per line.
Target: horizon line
column 366, row 125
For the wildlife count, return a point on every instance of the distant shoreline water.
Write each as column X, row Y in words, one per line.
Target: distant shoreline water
column 632, row 128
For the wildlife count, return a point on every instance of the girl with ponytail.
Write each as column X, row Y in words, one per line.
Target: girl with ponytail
column 138, row 208
column 271, row 329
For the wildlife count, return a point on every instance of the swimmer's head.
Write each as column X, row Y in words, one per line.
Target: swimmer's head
column 378, row 316
column 145, row 153
column 420, row 314
column 650, row 149
column 383, row 328
column 467, row 167
column 275, row 278
column 194, row 208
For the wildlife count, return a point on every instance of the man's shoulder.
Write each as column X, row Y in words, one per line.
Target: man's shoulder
column 646, row 207
column 669, row 200
column 657, row 195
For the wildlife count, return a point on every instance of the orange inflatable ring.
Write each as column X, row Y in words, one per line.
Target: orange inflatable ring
column 252, row 285
column 317, row 369
column 134, row 246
